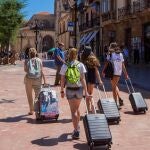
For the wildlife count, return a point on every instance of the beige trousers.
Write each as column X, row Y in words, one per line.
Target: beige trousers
column 30, row 86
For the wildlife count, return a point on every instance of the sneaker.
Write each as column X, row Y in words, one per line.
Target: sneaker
column 121, row 102
column 75, row 135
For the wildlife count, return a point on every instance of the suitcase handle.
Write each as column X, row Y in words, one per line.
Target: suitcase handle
column 133, row 90
column 92, row 103
column 99, row 93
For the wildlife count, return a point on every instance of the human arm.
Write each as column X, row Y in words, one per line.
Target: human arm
column 82, row 79
column 42, row 73
column 105, row 65
column 62, row 85
column 60, row 59
column 125, row 71
column 25, row 66
column 98, row 76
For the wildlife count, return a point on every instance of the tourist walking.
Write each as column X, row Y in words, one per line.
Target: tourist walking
column 92, row 76
column 73, row 74
column 33, row 79
column 59, row 57
column 116, row 58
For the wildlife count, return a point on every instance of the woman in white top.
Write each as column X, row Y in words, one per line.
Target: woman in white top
column 74, row 91
column 116, row 57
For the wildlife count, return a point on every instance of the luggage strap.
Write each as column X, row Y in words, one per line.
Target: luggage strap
column 128, row 86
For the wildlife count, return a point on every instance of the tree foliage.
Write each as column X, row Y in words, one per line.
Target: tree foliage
column 10, row 20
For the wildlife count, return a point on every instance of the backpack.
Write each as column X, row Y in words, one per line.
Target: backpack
column 34, row 68
column 73, row 73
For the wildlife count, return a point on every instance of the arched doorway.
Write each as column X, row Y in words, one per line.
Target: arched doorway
column 47, row 43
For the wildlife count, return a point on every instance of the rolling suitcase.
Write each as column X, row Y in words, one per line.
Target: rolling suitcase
column 137, row 101
column 109, row 107
column 97, row 130
column 48, row 104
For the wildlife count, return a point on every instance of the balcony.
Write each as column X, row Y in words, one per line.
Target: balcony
column 136, row 7
column 139, row 6
column 111, row 15
column 124, row 12
column 90, row 24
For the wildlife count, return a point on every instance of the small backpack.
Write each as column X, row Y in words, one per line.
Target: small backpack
column 34, row 68
column 73, row 73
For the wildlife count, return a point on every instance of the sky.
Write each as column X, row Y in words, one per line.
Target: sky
column 36, row 6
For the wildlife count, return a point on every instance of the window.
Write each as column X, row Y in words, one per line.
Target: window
column 105, row 6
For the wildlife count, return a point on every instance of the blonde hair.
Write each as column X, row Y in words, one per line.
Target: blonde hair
column 113, row 47
column 32, row 52
column 72, row 55
column 92, row 61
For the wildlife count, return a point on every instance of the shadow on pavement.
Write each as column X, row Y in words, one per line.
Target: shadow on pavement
column 6, row 101
column 63, row 121
column 18, row 119
column 133, row 113
column 79, row 146
column 48, row 141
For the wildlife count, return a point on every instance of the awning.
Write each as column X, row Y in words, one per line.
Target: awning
column 88, row 36
column 82, row 38
column 91, row 37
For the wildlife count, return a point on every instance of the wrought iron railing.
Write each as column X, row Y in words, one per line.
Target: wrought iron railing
column 111, row 15
column 137, row 6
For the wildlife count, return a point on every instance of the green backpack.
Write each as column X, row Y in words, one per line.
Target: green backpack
column 73, row 73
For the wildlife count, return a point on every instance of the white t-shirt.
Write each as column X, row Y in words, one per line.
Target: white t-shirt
column 116, row 59
column 80, row 66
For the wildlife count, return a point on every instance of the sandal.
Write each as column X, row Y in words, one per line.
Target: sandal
column 30, row 113
column 121, row 102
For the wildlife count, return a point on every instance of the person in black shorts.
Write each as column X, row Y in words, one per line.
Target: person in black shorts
column 92, row 65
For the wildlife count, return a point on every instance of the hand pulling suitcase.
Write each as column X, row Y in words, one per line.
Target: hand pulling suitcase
column 109, row 107
column 137, row 101
column 48, row 104
column 97, row 130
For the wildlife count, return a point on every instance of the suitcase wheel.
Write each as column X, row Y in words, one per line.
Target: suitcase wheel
column 57, row 117
column 144, row 111
column 91, row 146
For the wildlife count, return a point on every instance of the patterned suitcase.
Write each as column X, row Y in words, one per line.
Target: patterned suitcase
column 109, row 107
column 48, row 104
column 97, row 131
column 137, row 101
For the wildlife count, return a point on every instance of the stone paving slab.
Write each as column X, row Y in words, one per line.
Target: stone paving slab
column 18, row 131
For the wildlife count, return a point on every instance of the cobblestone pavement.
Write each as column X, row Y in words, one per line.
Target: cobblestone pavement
column 18, row 131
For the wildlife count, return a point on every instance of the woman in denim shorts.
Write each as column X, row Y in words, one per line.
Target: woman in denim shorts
column 73, row 93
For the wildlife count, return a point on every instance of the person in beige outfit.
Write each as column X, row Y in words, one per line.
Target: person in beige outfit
column 33, row 79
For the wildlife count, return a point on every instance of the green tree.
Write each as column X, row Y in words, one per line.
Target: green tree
column 10, row 20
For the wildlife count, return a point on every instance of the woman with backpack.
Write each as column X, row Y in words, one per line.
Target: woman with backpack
column 73, row 75
column 33, row 79
column 115, row 56
column 92, row 65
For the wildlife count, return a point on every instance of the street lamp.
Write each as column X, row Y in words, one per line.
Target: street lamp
column 36, row 27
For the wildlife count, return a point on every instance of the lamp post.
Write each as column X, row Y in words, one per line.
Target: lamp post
column 36, row 27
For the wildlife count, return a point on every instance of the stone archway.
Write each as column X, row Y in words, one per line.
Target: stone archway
column 47, row 43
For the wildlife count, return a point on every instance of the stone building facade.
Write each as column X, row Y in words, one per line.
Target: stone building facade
column 127, row 22
column 43, row 37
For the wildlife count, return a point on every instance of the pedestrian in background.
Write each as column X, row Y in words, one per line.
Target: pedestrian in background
column 74, row 91
column 59, row 57
column 136, row 54
column 92, row 65
column 125, row 53
column 33, row 79
column 116, row 58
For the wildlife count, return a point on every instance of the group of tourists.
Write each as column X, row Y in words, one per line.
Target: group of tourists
column 76, row 78
column 8, row 57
